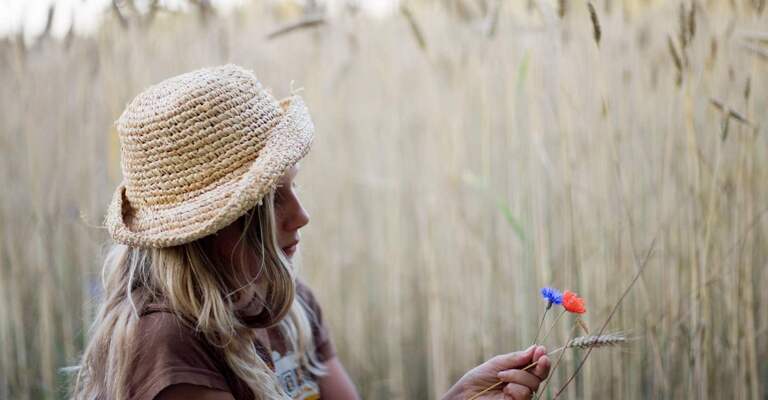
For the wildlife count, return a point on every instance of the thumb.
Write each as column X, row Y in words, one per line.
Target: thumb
column 516, row 359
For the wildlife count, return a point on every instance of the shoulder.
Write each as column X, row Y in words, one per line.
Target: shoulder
column 166, row 330
column 306, row 294
column 185, row 391
column 162, row 336
column 310, row 302
column 324, row 345
column 167, row 351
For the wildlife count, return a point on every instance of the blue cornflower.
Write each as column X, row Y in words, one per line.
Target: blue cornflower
column 552, row 296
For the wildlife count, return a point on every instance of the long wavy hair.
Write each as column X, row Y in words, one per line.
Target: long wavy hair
column 199, row 286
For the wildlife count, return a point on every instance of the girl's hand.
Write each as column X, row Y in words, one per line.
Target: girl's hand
column 507, row 368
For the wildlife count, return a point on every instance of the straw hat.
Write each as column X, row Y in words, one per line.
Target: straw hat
column 199, row 150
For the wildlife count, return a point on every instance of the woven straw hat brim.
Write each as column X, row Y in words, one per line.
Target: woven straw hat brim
column 225, row 201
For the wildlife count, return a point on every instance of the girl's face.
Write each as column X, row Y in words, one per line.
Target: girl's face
column 290, row 216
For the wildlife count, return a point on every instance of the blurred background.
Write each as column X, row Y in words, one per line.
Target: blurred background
column 468, row 152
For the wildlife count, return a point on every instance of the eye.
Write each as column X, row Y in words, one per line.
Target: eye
column 279, row 193
column 284, row 191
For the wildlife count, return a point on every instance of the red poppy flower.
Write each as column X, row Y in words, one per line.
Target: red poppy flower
column 573, row 303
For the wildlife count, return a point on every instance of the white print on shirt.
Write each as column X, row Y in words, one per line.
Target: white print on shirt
column 297, row 383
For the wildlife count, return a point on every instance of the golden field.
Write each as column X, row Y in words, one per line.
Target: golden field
column 455, row 171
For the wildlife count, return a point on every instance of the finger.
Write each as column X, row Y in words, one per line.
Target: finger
column 517, row 359
column 538, row 352
column 518, row 392
column 519, row 377
column 542, row 367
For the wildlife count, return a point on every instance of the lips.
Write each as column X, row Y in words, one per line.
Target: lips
column 290, row 249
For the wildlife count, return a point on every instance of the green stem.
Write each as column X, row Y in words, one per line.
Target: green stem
column 541, row 323
column 552, row 327
column 554, row 367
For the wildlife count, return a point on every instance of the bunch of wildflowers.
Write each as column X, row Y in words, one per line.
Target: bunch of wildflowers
column 570, row 301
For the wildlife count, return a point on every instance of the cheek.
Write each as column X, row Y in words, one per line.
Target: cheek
column 283, row 215
column 280, row 220
column 224, row 241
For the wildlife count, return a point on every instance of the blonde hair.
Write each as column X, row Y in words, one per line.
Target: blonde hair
column 195, row 284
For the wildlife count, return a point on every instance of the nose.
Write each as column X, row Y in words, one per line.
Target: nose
column 295, row 216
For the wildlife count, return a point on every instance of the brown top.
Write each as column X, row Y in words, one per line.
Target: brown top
column 168, row 352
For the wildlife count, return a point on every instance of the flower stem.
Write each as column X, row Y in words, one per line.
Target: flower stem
column 541, row 323
column 543, row 387
column 552, row 326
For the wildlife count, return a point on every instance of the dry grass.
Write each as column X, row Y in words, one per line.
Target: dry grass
column 445, row 187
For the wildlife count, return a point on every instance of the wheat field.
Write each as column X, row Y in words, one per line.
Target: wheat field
column 455, row 170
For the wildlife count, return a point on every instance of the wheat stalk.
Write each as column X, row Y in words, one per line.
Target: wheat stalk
column 597, row 32
column 676, row 59
column 306, row 22
column 415, row 29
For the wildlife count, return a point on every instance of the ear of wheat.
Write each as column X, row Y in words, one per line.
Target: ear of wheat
column 585, row 342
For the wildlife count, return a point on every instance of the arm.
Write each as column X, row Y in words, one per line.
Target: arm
column 336, row 384
column 186, row 391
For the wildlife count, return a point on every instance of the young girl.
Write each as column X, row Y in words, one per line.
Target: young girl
column 201, row 300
